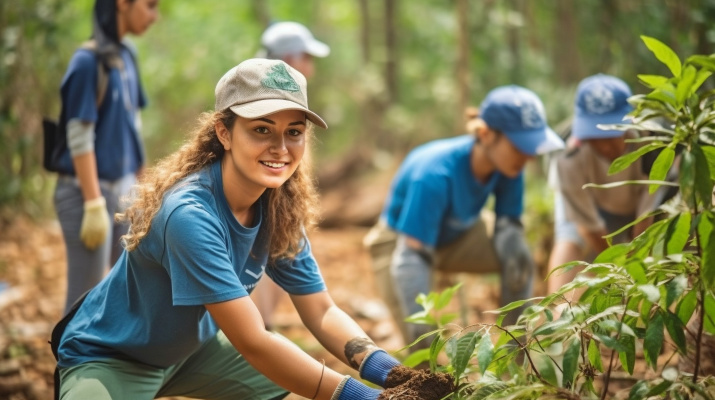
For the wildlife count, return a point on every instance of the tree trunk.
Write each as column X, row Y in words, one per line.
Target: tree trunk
column 365, row 30
column 566, row 52
column 391, row 50
column 463, row 84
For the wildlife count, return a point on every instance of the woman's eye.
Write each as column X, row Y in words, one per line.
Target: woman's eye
column 295, row 132
column 262, row 129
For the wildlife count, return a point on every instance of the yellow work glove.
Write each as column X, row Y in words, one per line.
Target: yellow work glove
column 95, row 223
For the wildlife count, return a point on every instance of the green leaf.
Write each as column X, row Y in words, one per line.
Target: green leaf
column 444, row 319
column 628, row 353
column 664, row 54
column 653, row 339
column 709, row 311
column 703, row 182
column 485, row 353
column 488, row 390
column 653, row 81
column 416, row 358
column 659, row 388
column 674, row 288
column 594, row 355
column 547, row 369
column 685, row 308
column 436, row 346
column 638, row 391
column 636, row 269
column 463, row 352
column 615, row 254
column 676, row 331
column 421, row 317
column 445, row 297
column 707, row 244
column 707, row 62
column 700, row 78
column 685, row 85
column 686, row 175
column 624, row 161
column 661, row 166
column 709, row 152
column 610, row 342
column 677, row 233
column 571, row 362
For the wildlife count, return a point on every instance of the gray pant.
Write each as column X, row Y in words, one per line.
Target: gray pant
column 400, row 276
column 85, row 268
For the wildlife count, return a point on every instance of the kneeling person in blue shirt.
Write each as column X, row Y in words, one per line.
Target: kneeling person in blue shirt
column 174, row 316
column 431, row 218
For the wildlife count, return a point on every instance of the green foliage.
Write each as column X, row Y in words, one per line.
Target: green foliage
column 640, row 294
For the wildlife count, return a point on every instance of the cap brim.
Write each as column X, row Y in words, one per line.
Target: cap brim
column 585, row 125
column 261, row 108
column 536, row 142
column 317, row 49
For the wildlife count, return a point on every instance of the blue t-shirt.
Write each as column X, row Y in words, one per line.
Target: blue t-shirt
column 117, row 145
column 435, row 197
column 150, row 307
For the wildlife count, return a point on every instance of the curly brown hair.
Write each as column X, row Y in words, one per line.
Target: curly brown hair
column 292, row 207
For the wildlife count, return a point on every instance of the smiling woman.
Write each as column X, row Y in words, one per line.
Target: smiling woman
column 174, row 317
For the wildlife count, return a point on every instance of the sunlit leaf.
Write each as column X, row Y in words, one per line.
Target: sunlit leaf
column 703, row 182
column 615, row 254
column 651, row 292
column 659, row 388
column 664, row 54
column 485, row 353
column 653, row 81
column 661, row 166
column 709, row 311
column 674, row 288
column 445, row 296
column 636, row 269
column 653, row 339
column 594, row 355
column 702, row 61
column 547, row 369
column 677, row 233
column 685, row 85
column 686, row 306
column 417, row 357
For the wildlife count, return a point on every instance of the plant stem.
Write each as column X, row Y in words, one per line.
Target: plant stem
column 607, row 375
column 526, row 352
column 698, row 341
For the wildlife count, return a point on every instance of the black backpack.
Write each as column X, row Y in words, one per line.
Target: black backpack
column 54, row 133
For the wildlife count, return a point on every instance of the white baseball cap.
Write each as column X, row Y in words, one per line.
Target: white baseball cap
column 288, row 38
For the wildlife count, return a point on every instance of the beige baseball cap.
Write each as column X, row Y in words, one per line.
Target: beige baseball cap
column 259, row 87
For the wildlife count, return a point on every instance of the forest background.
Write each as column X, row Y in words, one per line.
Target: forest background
column 400, row 72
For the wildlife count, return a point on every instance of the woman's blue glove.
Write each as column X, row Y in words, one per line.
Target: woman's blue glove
column 352, row 389
column 376, row 366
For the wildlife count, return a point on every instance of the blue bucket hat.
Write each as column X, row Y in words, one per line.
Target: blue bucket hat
column 600, row 99
column 519, row 114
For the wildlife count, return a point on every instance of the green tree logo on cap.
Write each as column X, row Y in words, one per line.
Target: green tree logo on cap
column 280, row 79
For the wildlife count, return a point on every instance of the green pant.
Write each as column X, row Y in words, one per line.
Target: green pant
column 215, row 371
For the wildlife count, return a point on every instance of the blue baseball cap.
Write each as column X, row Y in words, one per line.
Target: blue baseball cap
column 519, row 114
column 600, row 99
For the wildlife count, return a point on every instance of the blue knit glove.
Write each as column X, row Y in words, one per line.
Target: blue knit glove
column 352, row 389
column 376, row 366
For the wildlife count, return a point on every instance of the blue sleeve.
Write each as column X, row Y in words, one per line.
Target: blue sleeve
column 509, row 196
column 423, row 210
column 79, row 88
column 196, row 258
column 300, row 275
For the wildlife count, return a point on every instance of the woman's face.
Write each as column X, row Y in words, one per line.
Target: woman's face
column 303, row 63
column 136, row 16
column 503, row 155
column 264, row 152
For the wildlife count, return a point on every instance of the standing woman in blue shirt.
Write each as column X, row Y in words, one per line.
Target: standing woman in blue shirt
column 432, row 217
column 173, row 317
column 104, row 151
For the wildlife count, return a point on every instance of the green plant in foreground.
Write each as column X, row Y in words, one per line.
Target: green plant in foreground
column 641, row 294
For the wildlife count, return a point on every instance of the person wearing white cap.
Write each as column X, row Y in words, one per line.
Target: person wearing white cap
column 582, row 217
column 292, row 43
column 174, row 317
column 431, row 218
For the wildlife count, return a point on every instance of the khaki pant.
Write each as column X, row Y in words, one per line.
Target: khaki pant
column 473, row 252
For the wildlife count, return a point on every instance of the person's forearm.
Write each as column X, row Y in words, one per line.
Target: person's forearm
column 272, row 355
column 85, row 166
